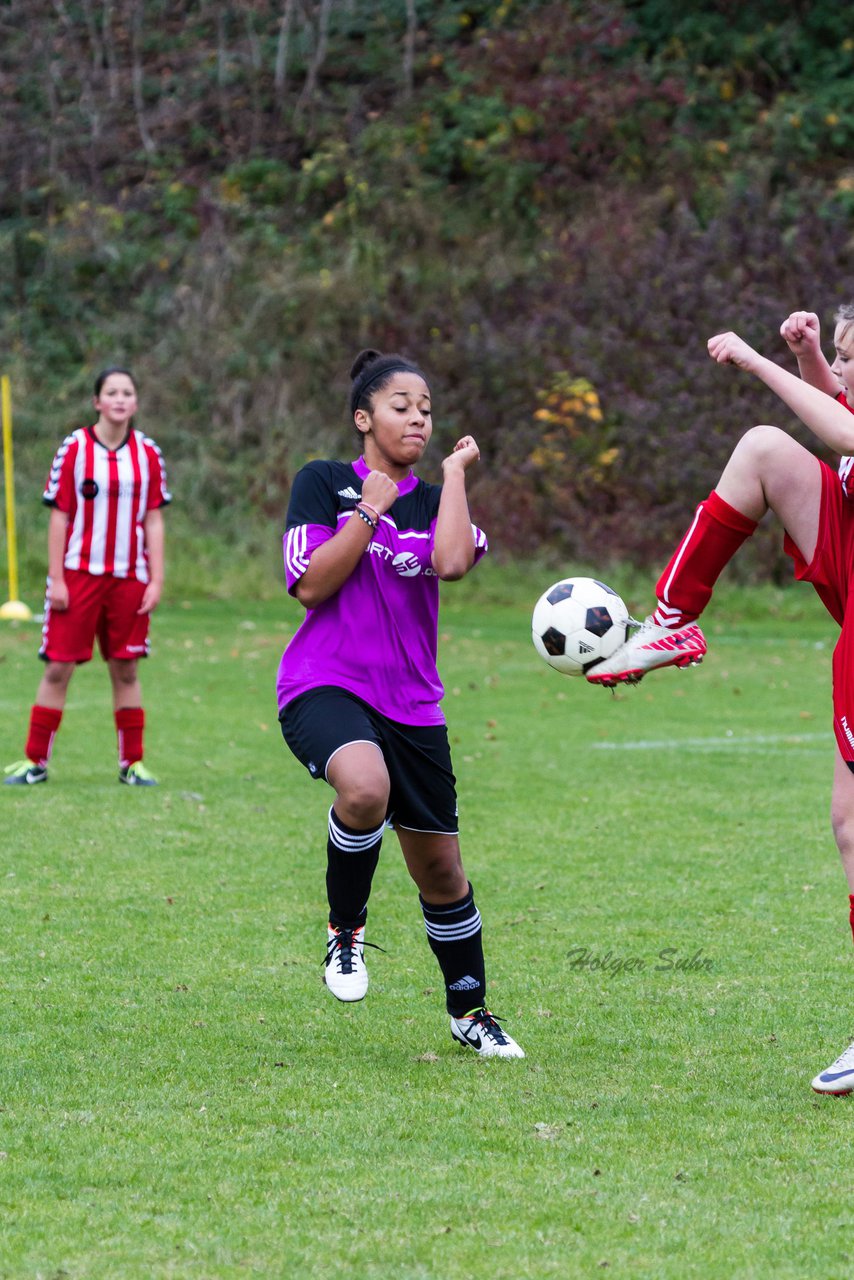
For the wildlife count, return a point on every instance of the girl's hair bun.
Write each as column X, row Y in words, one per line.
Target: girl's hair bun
column 363, row 359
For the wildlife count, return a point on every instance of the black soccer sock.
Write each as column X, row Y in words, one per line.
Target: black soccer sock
column 455, row 937
column 351, row 860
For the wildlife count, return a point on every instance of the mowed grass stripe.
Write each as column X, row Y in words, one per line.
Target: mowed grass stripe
column 182, row 1098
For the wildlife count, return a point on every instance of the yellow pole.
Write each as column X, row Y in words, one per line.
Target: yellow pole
column 13, row 608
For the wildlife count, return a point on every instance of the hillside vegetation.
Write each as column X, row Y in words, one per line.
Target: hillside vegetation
column 551, row 205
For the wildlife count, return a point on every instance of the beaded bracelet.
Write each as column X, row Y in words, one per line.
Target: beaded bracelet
column 373, row 510
column 364, row 515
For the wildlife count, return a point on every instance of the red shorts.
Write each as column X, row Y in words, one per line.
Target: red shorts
column 831, row 571
column 98, row 605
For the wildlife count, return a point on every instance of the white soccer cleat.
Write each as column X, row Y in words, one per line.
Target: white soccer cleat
column 650, row 647
column 346, row 975
column 838, row 1078
column 479, row 1030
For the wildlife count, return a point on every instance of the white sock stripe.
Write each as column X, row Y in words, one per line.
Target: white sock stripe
column 348, row 842
column 453, row 932
column 353, row 844
column 665, row 594
column 459, row 935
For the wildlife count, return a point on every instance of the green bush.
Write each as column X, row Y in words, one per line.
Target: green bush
column 528, row 191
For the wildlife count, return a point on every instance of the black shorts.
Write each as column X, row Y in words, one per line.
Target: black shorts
column 423, row 793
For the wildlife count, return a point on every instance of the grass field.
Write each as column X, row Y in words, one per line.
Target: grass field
column 180, row 1096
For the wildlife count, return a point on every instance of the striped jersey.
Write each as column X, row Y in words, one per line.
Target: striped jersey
column 377, row 636
column 106, row 494
column 846, row 465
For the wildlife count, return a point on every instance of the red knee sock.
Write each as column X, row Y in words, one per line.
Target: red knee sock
column 685, row 587
column 44, row 722
column 851, row 914
column 130, row 723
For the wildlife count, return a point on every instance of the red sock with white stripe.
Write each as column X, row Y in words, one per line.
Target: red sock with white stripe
column 130, row 724
column 44, row 723
column 685, row 588
column 851, row 912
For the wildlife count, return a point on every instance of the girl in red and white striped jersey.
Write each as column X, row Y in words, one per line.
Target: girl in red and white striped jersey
column 106, row 491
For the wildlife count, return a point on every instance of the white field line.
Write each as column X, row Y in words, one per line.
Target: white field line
column 729, row 742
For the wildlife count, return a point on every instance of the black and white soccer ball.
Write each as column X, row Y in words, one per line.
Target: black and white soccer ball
column 577, row 623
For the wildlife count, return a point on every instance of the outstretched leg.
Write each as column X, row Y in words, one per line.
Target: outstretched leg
column 767, row 470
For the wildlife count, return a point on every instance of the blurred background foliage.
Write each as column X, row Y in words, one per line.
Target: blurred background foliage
column 551, row 205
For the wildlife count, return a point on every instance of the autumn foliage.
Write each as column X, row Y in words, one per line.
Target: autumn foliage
column 550, row 205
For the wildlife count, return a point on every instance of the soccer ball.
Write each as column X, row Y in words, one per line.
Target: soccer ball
column 577, row 623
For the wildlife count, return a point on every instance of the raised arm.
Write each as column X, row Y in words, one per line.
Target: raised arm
column 453, row 545
column 829, row 420
column 801, row 332
column 333, row 561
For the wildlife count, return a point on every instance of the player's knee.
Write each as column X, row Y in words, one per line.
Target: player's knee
column 365, row 801
column 842, row 821
column 58, row 674
column 761, row 443
column 124, row 672
column 442, row 878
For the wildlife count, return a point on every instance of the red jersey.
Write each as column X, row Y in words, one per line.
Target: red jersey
column 106, row 494
column 846, row 465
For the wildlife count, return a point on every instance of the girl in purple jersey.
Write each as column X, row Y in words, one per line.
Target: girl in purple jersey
column 366, row 545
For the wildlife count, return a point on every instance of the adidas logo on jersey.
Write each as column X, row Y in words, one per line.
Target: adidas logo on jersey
column 468, row 983
column 349, row 492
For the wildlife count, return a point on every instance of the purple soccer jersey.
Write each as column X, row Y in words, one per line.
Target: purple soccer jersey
column 377, row 635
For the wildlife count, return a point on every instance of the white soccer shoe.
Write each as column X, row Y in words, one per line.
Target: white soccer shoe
column 346, row 975
column 650, row 647
column 479, row 1030
column 838, row 1078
